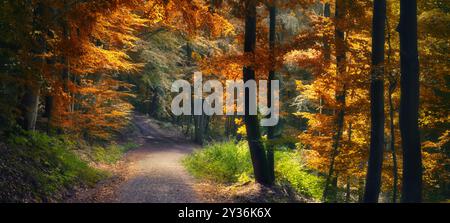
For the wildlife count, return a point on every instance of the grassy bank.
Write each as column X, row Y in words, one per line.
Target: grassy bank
column 230, row 163
column 35, row 167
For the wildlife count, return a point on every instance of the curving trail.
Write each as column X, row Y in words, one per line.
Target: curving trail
column 153, row 173
column 158, row 173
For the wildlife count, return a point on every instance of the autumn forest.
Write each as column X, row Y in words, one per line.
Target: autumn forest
column 86, row 91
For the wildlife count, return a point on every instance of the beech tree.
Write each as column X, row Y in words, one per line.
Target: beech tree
column 257, row 151
column 409, row 103
column 373, row 181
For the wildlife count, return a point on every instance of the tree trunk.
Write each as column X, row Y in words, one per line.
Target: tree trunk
column 271, row 129
column 257, row 152
column 65, row 75
column 326, row 52
column 326, row 44
column 30, row 101
column 392, row 145
column 340, row 88
column 392, row 87
column 360, row 191
column 30, row 104
column 48, row 111
column 334, row 188
column 348, row 191
column 154, row 103
column 373, row 179
column 409, row 103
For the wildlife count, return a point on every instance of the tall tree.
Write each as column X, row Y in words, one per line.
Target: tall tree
column 409, row 103
column 271, row 129
column 373, row 179
column 341, row 88
column 392, row 87
column 257, row 152
column 30, row 100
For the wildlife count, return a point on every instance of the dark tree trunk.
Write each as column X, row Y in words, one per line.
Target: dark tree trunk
column 30, row 100
column 326, row 44
column 154, row 103
column 373, row 178
column 360, row 191
column 65, row 75
column 189, row 53
column 392, row 87
column 409, row 103
column 392, row 145
column 30, row 104
column 271, row 129
column 200, row 123
column 348, row 188
column 326, row 53
column 341, row 89
column 334, row 188
column 48, row 112
column 257, row 152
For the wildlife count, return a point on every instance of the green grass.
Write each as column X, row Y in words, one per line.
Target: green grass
column 229, row 162
column 288, row 168
column 224, row 162
column 112, row 153
column 35, row 167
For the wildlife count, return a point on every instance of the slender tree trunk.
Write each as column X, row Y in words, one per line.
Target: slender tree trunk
column 373, row 179
column 189, row 53
column 154, row 103
column 392, row 145
column 65, row 61
column 30, row 104
column 334, row 188
column 326, row 53
column 409, row 103
column 227, row 127
column 326, row 44
column 347, row 191
column 65, row 75
column 271, row 129
column 188, row 120
column 392, row 87
column 360, row 191
column 48, row 112
column 201, row 123
column 257, row 152
column 229, row 121
column 30, row 101
column 341, row 89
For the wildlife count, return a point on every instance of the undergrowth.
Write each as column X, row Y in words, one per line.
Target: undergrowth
column 35, row 167
column 230, row 162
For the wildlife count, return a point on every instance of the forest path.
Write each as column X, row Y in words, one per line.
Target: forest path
column 152, row 173
column 158, row 174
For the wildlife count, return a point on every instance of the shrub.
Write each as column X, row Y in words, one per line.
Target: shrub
column 223, row 162
column 289, row 169
column 228, row 162
column 36, row 167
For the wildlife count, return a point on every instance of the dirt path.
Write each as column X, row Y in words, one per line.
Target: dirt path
column 158, row 173
column 152, row 173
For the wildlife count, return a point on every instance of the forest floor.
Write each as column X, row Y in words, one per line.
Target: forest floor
column 154, row 173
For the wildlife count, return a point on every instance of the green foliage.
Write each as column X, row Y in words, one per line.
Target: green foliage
column 111, row 153
column 289, row 169
column 224, row 162
column 38, row 168
column 228, row 162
